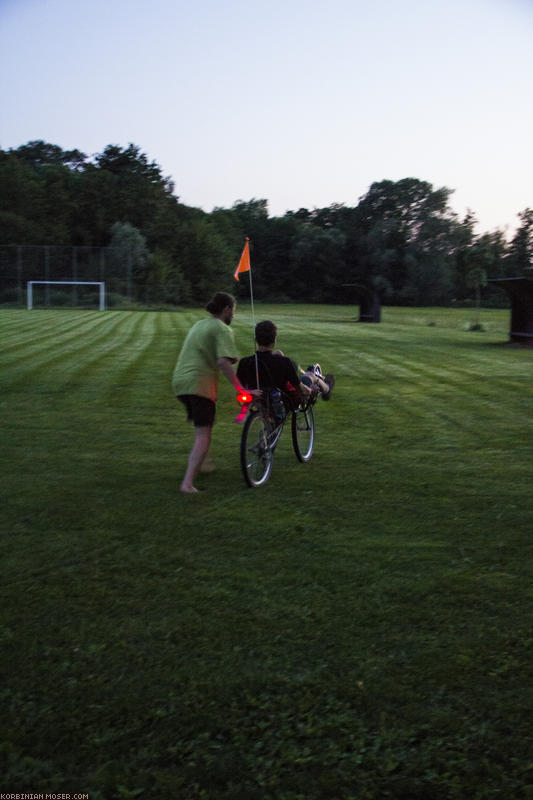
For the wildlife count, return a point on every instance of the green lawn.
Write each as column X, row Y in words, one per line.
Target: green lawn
column 358, row 628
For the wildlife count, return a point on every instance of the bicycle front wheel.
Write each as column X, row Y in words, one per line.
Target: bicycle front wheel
column 256, row 453
column 303, row 433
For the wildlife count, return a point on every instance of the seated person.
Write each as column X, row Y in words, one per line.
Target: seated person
column 277, row 371
column 313, row 379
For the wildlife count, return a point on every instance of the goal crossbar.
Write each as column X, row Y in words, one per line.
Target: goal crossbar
column 31, row 284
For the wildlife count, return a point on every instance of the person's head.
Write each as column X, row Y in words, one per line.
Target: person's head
column 265, row 333
column 222, row 305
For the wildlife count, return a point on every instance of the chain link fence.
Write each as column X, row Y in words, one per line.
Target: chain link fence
column 22, row 263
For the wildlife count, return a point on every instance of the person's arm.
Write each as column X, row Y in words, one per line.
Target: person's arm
column 225, row 366
column 300, row 388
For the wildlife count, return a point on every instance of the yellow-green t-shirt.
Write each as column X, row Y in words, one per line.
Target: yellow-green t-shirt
column 196, row 370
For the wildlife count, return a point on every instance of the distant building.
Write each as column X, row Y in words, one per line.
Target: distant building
column 369, row 302
column 520, row 291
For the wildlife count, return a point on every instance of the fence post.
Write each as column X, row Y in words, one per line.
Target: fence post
column 74, row 274
column 47, row 275
column 129, row 275
column 102, row 263
column 19, row 275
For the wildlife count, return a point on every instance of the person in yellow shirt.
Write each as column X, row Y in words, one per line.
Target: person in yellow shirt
column 209, row 348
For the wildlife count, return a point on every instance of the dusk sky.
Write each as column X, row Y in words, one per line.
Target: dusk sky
column 303, row 103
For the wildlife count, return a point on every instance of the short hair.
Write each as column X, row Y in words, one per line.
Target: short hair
column 265, row 333
column 219, row 301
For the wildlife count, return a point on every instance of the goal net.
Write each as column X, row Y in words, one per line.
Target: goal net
column 100, row 284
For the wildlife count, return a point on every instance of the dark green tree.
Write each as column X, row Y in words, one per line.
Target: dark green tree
column 404, row 240
column 128, row 259
column 43, row 154
column 121, row 184
column 37, row 193
column 401, row 237
column 317, row 265
column 204, row 260
column 476, row 277
column 520, row 257
column 22, row 202
column 165, row 282
column 484, row 258
column 463, row 236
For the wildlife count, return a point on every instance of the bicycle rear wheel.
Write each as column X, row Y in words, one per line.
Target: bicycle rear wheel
column 256, row 453
column 303, row 432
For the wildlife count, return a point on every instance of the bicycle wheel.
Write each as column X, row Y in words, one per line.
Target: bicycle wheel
column 256, row 453
column 303, row 432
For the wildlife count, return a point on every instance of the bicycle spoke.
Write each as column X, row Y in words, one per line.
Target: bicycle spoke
column 256, row 450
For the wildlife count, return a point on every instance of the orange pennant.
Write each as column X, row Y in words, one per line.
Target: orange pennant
column 244, row 261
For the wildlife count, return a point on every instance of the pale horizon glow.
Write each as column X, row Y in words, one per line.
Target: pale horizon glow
column 303, row 104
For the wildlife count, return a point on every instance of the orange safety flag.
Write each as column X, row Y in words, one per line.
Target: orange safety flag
column 244, row 261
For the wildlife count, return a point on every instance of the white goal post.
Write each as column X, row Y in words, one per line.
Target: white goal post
column 31, row 284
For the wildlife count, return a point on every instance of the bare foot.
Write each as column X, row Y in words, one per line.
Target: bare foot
column 189, row 489
column 207, row 466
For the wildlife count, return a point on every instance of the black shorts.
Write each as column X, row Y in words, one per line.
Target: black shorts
column 200, row 410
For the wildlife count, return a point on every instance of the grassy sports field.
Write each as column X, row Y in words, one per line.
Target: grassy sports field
column 358, row 628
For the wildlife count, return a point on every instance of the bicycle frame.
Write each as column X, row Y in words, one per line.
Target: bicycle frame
column 262, row 431
column 249, row 405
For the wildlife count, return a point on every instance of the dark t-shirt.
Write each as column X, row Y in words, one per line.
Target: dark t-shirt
column 274, row 372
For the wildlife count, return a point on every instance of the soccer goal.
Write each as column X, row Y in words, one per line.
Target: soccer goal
column 31, row 284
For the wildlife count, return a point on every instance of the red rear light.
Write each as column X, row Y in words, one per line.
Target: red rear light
column 244, row 397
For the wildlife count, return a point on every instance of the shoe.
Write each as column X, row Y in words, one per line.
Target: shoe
column 330, row 380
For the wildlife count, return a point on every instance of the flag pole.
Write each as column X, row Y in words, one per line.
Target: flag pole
column 245, row 265
column 253, row 323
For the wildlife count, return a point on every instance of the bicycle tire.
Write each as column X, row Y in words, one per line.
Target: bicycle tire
column 256, row 452
column 303, row 432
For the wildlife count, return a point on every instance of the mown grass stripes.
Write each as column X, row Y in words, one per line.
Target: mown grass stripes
column 63, row 348
column 359, row 628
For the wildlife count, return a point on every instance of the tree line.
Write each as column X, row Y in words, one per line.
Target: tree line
column 401, row 238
